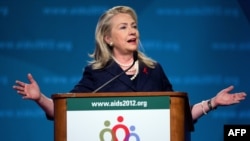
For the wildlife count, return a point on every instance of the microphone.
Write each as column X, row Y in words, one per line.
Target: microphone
column 135, row 56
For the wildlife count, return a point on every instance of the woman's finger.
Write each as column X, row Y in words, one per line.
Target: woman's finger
column 31, row 79
column 20, row 83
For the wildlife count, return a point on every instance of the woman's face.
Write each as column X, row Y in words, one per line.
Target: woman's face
column 124, row 34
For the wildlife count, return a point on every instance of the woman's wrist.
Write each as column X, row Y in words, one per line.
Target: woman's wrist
column 212, row 104
column 40, row 99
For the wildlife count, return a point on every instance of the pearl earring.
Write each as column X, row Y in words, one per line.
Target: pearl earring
column 111, row 44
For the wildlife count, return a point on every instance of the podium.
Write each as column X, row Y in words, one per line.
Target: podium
column 180, row 121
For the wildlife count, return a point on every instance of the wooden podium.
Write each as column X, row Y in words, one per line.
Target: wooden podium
column 180, row 115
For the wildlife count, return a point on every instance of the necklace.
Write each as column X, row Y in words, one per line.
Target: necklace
column 134, row 70
column 136, row 66
column 121, row 64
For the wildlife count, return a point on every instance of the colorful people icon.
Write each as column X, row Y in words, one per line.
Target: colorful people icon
column 119, row 132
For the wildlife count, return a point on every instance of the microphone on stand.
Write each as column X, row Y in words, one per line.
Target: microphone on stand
column 135, row 56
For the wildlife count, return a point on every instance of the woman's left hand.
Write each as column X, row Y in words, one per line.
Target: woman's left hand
column 224, row 97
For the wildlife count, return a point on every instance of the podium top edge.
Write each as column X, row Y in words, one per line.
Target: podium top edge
column 117, row 94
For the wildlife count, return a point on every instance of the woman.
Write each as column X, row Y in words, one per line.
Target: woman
column 117, row 54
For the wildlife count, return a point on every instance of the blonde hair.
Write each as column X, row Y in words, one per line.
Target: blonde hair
column 103, row 52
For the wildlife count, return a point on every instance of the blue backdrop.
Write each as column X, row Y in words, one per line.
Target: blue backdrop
column 204, row 46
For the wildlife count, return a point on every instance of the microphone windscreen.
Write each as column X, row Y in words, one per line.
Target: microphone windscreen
column 135, row 55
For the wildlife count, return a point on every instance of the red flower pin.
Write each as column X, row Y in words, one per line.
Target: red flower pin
column 145, row 70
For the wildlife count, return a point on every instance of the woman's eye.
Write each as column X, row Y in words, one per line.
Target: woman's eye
column 123, row 27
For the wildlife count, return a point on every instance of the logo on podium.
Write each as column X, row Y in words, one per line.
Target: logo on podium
column 127, row 131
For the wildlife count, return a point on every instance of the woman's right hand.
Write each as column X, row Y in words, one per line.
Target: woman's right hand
column 28, row 91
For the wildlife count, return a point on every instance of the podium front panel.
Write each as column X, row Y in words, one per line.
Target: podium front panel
column 137, row 118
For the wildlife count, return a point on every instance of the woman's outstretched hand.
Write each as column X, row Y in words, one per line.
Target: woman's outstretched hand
column 28, row 91
column 32, row 91
column 224, row 97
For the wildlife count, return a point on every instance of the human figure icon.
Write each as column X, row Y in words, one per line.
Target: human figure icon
column 106, row 131
column 133, row 134
column 118, row 127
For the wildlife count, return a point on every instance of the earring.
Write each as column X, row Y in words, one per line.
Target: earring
column 111, row 44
